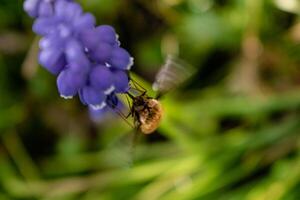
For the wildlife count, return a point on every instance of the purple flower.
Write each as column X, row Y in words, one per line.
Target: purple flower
column 88, row 60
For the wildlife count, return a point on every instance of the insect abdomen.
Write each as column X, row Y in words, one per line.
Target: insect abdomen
column 150, row 119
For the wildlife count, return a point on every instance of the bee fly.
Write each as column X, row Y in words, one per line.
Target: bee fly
column 147, row 111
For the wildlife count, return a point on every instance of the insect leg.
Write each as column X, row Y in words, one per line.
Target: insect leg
column 136, row 89
column 130, row 95
column 139, row 85
column 116, row 110
column 128, row 102
column 129, row 106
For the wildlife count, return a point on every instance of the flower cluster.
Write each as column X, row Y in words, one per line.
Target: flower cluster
column 87, row 59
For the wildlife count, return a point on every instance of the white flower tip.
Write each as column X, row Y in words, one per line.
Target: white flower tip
column 66, row 97
column 109, row 90
column 108, row 65
column 130, row 64
column 117, row 40
column 98, row 107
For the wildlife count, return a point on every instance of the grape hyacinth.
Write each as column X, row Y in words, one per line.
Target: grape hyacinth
column 87, row 59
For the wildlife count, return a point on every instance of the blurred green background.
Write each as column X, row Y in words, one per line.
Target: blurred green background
column 231, row 133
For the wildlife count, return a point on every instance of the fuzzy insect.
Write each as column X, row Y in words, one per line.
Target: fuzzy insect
column 147, row 112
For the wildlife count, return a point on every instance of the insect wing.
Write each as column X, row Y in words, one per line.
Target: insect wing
column 173, row 73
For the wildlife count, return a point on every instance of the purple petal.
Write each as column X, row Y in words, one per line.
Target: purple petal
column 67, row 11
column 73, row 10
column 45, row 9
column 44, row 26
column 52, row 59
column 87, row 21
column 69, row 83
column 89, row 38
column 64, row 30
column 76, row 57
column 73, row 50
column 102, row 53
column 60, row 8
column 51, row 41
column 107, row 34
column 102, row 78
column 121, row 59
column 81, row 97
column 31, row 7
column 121, row 81
column 93, row 97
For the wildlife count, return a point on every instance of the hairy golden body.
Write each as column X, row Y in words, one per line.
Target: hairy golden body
column 147, row 113
column 150, row 118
